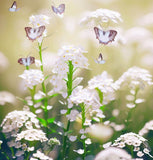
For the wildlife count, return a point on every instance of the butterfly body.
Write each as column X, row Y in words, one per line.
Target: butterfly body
column 26, row 61
column 34, row 33
column 59, row 10
column 100, row 59
column 14, row 8
column 105, row 37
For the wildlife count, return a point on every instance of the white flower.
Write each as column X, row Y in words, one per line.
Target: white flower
column 147, row 127
column 41, row 156
column 38, row 63
column 70, row 53
column 140, row 153
column 113, row 154
column 86, row 96
column 88, row 141
column 32, row 135
column 102, row 17
column 6, row 97
column 39, row 20
column 105, row 84
column 73, row 115
column 79, row 151
column 32, row 77
column 72, row 138
column 17, row 119
column 131, row 139
column 135, row 77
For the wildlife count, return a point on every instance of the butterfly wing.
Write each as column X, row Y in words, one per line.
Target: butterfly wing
column 32, row 60
column 26, row 61
column 100, row 59
column 22, row 61
column 105, row 37
column 59, row 10
column 55, row 10
column 96, row 32
column 34, row 33
column 13, row 7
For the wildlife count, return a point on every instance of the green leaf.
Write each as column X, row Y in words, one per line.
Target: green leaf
column 42, row 121
column 100, row 94
column 103, row 107
column 54, row 95
column 47, row 77
column 51, row 120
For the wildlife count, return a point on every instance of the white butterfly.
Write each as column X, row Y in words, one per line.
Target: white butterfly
column 26, row 61
column 100, row 59
column 14, row 8
column 34, row 33
column 59, row 10
column 105, row 37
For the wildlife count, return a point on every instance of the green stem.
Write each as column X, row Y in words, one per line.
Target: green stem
column 69, row 91
column 27, row 67
column 83, row 127
column 44, row 90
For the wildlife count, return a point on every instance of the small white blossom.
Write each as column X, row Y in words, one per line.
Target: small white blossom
column 73, row 115
column 88, row 141
column 40, row 155
column 102, row 17
column 135, row 77
column 72, row 138
column 105, row 84
column 17, row 119
column 32, row 135
column 32, row 77
column 70, row 53
column 39, row 20
column 131, row 139
column 79, row 151
column 38, row 63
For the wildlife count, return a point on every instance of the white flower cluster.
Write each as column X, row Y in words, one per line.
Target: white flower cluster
column 32, row 77
column 105, row 84
column 67, row 53
column 32, row 135
column 6, row 97
column 148, row 127
column 135, row 77
column 17, row 119
column 101, row 17
column 113, row 153
column 40, row 155
column 39, row 20
column 135, row 140
column 70, row 53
